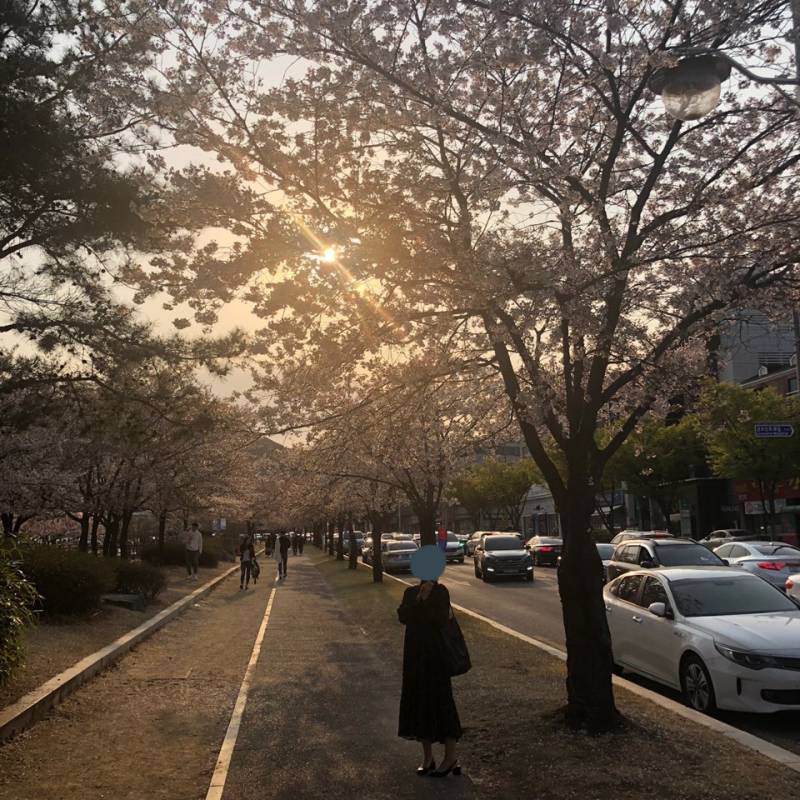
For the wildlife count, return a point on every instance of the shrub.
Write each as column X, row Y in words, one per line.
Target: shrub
column 174, row 553
column 17, row 597
column 139, row 578
column 68, row 582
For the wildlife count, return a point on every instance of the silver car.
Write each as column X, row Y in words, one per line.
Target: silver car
column 773, row 561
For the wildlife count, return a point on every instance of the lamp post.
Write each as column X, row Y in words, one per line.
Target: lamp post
column 691, row 90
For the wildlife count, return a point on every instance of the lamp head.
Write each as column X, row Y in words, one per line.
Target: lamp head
column 691, row 89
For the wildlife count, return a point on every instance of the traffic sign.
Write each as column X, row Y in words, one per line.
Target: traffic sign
column 774, row 430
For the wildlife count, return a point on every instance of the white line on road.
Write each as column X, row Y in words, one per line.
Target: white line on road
column 229, row 742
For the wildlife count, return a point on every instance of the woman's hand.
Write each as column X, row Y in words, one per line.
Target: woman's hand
column 425, row 589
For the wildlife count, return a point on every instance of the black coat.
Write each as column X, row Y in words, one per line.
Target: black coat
column 427, row 708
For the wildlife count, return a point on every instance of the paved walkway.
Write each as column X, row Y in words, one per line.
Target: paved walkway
column 321, row 719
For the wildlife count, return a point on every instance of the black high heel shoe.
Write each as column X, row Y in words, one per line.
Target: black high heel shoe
column 455, row 768
column 423, row 770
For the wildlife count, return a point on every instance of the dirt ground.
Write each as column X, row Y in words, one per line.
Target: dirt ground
column 515, row 746
column 56, row 644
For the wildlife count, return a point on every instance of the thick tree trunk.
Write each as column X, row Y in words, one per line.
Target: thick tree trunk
column 110, row 538
column 377, row 553
column 127, row 515
column 590, row 698
column 352, row 560
column 329, row 537
column 162, row 529
column 83, row 541
column 95, row 526
column 427, row 524
column 340, row 540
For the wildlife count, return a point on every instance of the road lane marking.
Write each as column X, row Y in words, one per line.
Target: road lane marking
column 229, row 742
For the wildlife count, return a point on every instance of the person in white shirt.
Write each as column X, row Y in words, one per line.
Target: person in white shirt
column 194, row 547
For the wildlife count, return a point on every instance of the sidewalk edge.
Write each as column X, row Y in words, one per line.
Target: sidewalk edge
column 785, row 758
column 33, row 706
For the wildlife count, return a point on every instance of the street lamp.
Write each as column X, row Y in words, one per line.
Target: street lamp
column 691, row 89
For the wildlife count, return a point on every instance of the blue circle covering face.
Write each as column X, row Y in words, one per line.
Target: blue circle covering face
column 428, row 563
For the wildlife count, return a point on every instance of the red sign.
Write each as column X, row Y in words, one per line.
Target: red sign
column 747, row 491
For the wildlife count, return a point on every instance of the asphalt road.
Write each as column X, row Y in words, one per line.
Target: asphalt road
column 535, row 610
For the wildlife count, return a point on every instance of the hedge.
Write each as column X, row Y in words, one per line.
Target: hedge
column 174, row 553
column 67, row 581
column 134, row 577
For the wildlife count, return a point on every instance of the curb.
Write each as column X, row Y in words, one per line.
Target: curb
column 785, row 758
column 36, row 704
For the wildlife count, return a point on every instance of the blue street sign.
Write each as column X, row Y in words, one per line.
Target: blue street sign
column 774, row 430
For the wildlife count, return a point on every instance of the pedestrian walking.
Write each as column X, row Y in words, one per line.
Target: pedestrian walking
column 193, row 545
column 247, row 555
column 441, row 538
column 276, row 555
column 294, row 543
column 301, row 543
column 428, row 711
column 283, row 550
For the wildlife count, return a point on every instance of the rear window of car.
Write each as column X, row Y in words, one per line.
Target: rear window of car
column 605, row 551
column 741, row 594
column 548, row 540
column 502, row 543
column 401, row 546
column 687, row 555
column 776, row 550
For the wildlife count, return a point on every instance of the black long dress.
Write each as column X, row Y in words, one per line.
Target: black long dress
column 427, row 708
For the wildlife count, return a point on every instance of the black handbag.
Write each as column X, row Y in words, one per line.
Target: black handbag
column 456, row 655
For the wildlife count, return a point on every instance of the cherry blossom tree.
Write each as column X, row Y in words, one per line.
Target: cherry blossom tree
column 497, row 176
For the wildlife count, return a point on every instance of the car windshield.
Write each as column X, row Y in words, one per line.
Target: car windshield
column 548, row 540
column 776, row 550
column 688, row 555
column 605, row 551
column 712, row 597
column 502, row 543
column 401, row 546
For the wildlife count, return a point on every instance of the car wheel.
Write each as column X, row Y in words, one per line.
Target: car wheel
column 460, row 560
column 529, row 577
column 477, row 574
column 698, row 690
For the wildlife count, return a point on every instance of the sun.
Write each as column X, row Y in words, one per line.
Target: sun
column 329, row 256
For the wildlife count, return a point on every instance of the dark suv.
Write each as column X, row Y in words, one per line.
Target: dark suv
column 502, row 555
column 649, row 553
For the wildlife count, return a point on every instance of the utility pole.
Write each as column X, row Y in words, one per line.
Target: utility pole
column 795, row 4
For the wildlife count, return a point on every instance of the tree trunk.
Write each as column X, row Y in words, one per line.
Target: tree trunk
column 162, row 529
column 427, row 524
column 352, row 561
column 110, row 538
column 83, row 541
column 590, row 697
column 377, row 554
column 340, row 540
column 329, row 537
column 95, row 526
column 8, row 524
column 127, row 515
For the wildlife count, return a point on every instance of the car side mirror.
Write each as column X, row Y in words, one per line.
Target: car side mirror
column 527, row 547
column 725, row 562
column 646, row 564
column 658, row 609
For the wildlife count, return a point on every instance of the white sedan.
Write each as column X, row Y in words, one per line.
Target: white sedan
column 725, row 639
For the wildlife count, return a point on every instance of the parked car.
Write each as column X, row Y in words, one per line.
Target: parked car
column 726, row 535
column 455, row 549
column 474, row 540
column 544, row 550
column 723, row 637
column 359, row 537
column 792, row 587
column 502, row 555
column 628, row 535
column 772, row 561
column 650, row 553
column 606, row 552
column 395, row 556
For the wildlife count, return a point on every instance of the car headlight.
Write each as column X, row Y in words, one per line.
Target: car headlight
column 745, row 659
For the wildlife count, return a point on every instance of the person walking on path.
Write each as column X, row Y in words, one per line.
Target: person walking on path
column 276, row 555
column 441, row 538
column 193, row 544
column 428, row 711
column 294, row 543
column 301, row 542
column 247, row 555
column 282, row 548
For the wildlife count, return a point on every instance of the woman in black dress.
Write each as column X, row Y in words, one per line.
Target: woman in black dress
column 427, row 710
